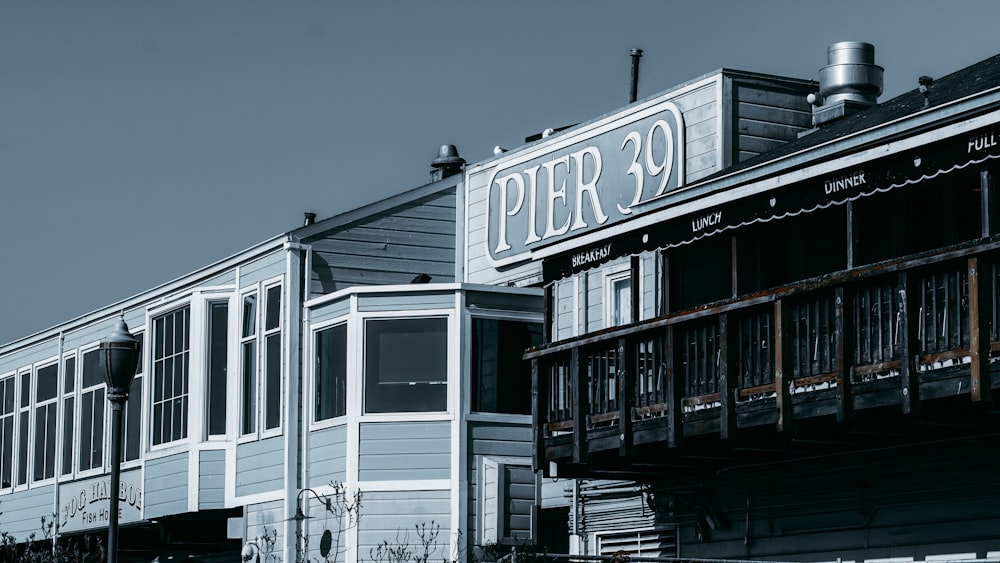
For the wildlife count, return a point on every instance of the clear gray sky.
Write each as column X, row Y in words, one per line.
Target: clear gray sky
column 141, row 140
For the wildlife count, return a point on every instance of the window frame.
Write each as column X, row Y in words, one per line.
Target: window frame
column 152, row 315
column 359, row 321
column 11, row 417
column 78, row 431
column 68, row 418
column 614, row 275
column 469, row 391
column 259, row 341
column 243, row 340
column 35, row 406
column 314, row 330
column 142, row 375
column 267, row 335
column 211, row 300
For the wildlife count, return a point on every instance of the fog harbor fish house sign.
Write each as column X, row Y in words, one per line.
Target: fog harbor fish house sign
column 582, row 181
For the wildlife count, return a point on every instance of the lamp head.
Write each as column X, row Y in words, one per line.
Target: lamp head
column 120, row 354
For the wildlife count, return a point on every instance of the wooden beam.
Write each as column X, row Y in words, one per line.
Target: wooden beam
column 909, row 311
column 844, row 327
column 675, row 393
column 580, row 405
column 980, row 317
column 783, row 371
column 626, row 386
column 727, row 381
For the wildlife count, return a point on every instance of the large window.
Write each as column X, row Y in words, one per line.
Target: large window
column 272, row 358
column 170, row 376
column 91, row 454
column 69, row 414
column 7, row 409
column 406, row 365
column 248, row 365
column 46, row 401
column 501, row 379
column 23, row 426
column 218, row 364
column 331, row 373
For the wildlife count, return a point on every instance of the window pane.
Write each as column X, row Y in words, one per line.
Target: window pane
column 272, row 411
column 97, row 446
column 67, row 461
column 46, row 383
column 249, row 316
column 331, row 373
column 25, row 388
column 93, row 372
column 249, row 402
column 272, row 316
column 69, row 375
column 86, row 428
column 501, row 379
column 22, row 450
column 406, row 365
column 218, row 362
column 7, row 451
column 133, row 420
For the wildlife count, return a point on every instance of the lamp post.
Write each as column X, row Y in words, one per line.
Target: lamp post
column 120, row 354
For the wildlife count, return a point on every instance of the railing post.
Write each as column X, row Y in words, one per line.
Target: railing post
column 539, row 416
column 727, row 383
column 675, row 393
column 580, row 406
column 783, row 371
column 844, row 328
column 979, row 329
column 910, row 349
column 626, row 375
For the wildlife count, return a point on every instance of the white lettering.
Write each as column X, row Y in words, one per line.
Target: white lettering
column 982, row 142
column 502, row 243
column 845, row 182
column 589, row 188
column 702, row 223
column 532, row 174
column 553, row 195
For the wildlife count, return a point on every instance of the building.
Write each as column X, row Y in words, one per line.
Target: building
column 344, row 357
column 770, row 319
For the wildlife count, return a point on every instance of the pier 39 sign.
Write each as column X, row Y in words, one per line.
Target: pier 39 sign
column 580, row 182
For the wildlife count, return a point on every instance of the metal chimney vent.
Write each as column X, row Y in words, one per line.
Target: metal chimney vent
column 850, row 82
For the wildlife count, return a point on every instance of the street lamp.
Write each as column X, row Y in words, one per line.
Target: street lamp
column 120, row 354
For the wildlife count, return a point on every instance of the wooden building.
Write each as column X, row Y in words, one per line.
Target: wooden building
column 342, row 357
column 771, row 323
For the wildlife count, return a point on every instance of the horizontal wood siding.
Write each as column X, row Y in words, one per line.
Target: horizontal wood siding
column 212, row 479
column 518, row 498
column 388, row 248
column 21, row 513
column 406, row 301
column 404, row 450
column 259, row 466
column 327, row 456
column 767, row 117
column 564, row 297
column 700, row 108
column 226, row 278
column 25, row 357
column 595, row 300
column 505, row 301
column 649, row 277
column 395, row 517
column 262, row 520
column 492, row 439
column 321, row 520
column 263, row 268
column 328, row 311
column 166, row 485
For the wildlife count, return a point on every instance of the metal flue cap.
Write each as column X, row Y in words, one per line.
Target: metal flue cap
column 447, row 156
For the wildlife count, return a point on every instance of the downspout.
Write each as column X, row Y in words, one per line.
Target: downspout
column 60, row 425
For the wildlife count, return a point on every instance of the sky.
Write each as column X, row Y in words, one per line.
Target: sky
column 141, row 140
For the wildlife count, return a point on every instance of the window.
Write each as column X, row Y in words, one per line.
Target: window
column 133, row 411
column 24, row 412
column 406, row 365
column 618, row 297
column 46, row 401
column 331, row 373
column 218, row 364
column 501, row 379
column 91, row 454
column 272, row 357
column 170, row 376
column 6, row 432
column 248, row 353
column 69, row 386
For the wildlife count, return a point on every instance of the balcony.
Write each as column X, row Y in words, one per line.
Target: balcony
column 898, row 352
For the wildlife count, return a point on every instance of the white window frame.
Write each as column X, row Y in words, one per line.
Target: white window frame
column 612, row 276
column 14, row 436
column 149, row 343
column 65, row 418
column 144, row 413
column 233, row 327
column 242, row 341
column 360, row 320
column 35, row 405
column 80, row 391
column 468, row 392
column 310, row 350
column 265, row 335
column 491, row 504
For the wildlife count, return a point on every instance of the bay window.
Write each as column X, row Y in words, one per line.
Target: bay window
column 330, row 375
column 406, row 365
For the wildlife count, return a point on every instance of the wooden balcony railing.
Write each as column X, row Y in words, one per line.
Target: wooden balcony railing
column 878, row 331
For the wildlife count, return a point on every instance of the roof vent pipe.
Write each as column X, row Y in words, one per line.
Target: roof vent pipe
column 447, row 163
column 851, row 81
column 633, row 94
